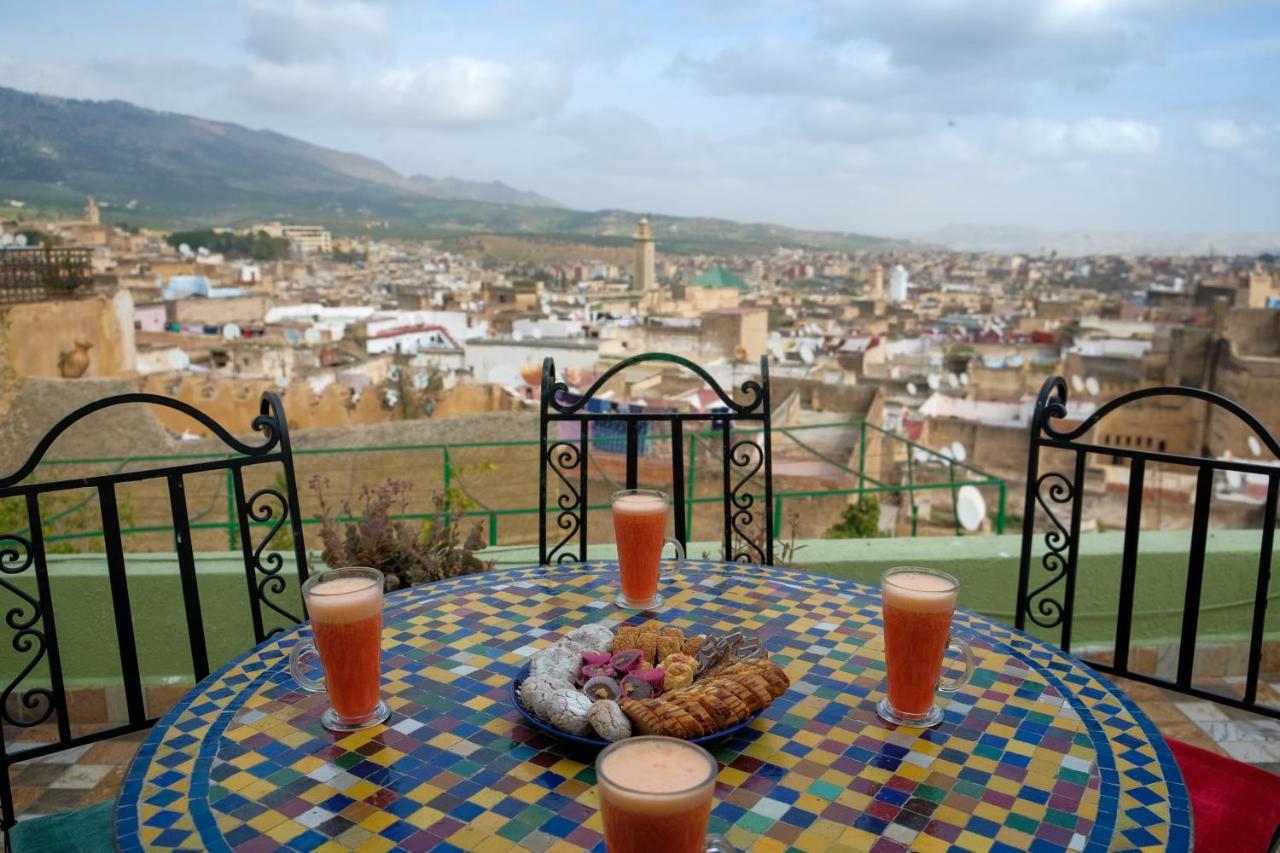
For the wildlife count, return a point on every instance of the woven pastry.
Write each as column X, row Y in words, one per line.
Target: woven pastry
column 643, row 719
column 690, row 704
column 674, row 719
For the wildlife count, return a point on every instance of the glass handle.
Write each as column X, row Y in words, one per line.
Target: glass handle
column 718, row 844
column 302, row 650
column 674, row 543
column 951, row 685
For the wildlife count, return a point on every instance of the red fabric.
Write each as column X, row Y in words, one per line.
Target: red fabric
column 1235, row 807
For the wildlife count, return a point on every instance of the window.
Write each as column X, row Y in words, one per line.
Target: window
column 1161, row 446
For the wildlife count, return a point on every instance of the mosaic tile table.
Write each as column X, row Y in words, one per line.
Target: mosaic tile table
column 1038, row 753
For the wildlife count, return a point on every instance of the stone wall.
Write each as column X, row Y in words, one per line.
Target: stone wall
column 34, row 334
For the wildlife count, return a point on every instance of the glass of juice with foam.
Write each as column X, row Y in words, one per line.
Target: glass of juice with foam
column 655, row 795
column 345, row 606
column 918, row 604
column 639, row 524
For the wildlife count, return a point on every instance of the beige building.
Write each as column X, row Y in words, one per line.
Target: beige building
column 305, row 239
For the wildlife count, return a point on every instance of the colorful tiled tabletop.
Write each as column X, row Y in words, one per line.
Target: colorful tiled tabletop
column 1037, row 753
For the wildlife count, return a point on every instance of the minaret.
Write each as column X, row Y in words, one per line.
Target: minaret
column 643, row 278
column 877, row 281
column 91, row 212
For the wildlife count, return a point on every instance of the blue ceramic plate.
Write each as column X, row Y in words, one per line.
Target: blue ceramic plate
column 593, row 742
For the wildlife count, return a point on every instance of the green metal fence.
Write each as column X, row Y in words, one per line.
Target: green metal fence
column 455, row 466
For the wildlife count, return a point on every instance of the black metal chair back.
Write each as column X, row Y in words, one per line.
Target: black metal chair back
column 1047, row 600
column 567, row 459
column 32, row 616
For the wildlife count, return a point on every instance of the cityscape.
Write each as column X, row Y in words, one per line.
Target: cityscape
column 401, row 344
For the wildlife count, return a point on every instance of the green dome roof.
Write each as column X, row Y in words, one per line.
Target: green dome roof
column 720, row 277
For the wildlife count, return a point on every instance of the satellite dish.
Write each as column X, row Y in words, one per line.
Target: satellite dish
column 945, row 453
column 231, row 332
column 971, row 509
column 958, row 451
column 202, row 252
column 933, row 382
column 6, row 239
column 184, row 249
column 953, row 380
column 20, row 240
column 394, row 373
column 964, row 378
column 1255, row 446
column 1235, row 479
column 911, row 388
column 1077, row 383
column 1091, row 385
column 806, row 354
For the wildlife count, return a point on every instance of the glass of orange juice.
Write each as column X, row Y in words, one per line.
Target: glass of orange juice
column 640, row 525
column 655, row 795
column 345, row 606
column 918, row 605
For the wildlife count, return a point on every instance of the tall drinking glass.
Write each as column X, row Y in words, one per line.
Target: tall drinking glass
column 639, row 524
column 655, row 795
column 345, row 606
column 918, row 605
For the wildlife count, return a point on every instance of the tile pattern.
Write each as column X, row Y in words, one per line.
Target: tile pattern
column 1037, row 753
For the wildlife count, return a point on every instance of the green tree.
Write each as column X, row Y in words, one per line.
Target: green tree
column 859, row 520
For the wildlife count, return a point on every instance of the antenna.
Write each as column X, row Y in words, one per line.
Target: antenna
column 958, row 452
column 971, row 509
column 911, row 388
column 231, row 332
column 1091, row 385
column 1077, row 383
column 1255, row 446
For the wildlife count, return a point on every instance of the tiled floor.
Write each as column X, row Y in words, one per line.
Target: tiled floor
column 91, row 774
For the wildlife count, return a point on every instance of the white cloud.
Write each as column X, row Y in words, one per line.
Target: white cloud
column 1048, row 138
column 1229, row 135
column 303, row 31
column 466, row 91
column 1112, row 136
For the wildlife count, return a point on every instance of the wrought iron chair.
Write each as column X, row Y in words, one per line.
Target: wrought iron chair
column 1218, row 786
column 567, row 459
column 31, row 613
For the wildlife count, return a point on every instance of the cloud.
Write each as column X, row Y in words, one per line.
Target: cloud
column 1229, row 135
column 303, row 31
column 467, row 91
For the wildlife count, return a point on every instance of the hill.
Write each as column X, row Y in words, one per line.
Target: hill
column 170, row 170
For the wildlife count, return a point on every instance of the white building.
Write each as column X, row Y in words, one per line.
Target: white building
column 500, row 360
column 899, row 282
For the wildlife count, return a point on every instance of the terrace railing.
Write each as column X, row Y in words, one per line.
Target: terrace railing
column 456, row 467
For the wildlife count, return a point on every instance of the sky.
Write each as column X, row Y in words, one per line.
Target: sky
column 889, row 118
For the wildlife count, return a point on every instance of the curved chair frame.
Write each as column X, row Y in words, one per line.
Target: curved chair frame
column 31, row 617
column 567, row 458
column 1048, row 599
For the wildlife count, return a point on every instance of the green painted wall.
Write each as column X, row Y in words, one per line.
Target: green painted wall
column 986, row 566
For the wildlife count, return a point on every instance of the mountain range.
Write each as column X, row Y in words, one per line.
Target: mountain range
column 170, row 170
